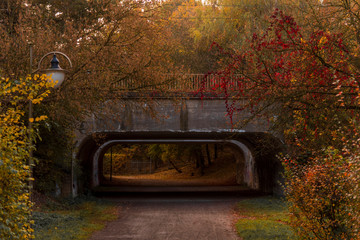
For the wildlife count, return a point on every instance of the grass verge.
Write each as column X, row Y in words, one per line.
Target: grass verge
column 72, row 219
column 263, row 218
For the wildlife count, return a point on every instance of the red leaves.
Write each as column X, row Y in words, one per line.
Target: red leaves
column 295, row 70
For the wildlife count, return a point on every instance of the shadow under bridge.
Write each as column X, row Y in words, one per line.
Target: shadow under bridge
column 257, row 167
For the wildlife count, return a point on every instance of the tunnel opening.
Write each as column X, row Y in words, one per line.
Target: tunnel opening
column 257, row 167
column 174, row 164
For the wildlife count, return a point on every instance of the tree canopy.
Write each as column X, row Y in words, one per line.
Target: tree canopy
column 296, row 62
column 301, row 73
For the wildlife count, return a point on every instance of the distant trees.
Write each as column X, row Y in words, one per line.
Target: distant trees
column 152, row 157
column 195, row 25
column 180, row 154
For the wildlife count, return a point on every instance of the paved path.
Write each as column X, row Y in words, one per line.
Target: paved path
column 172, row 218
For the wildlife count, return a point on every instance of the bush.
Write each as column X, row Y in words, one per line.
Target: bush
column 15, row 201
column 323, row 195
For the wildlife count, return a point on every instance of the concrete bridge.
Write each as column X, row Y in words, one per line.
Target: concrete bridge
column 185, row 120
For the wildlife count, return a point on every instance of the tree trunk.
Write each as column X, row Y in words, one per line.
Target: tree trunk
column 208, row 154
column 215, row 151
column 197, row 162
column 200, row 161
column 174, row 166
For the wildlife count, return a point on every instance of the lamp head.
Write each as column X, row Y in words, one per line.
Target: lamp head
column 56, row 72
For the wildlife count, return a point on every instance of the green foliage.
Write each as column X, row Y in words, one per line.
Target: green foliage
column 53, row 154
column 195, row 25
column 259, row 229
column 73, row 220
column 14, row 171
column 150, row 158
column 154, row 151
column 263, row 218
column 270, row 207
column 15, row 202
column 121, row 154
column 177, row 152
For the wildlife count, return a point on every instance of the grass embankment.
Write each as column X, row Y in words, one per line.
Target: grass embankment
column 71, row 219
column 263, row 218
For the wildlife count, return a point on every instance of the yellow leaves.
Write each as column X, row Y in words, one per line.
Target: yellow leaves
column 38, row 119
column 38, row 100
column 7, row 85
column 323, row 40
column 35, row 88
column 14, row 139
column 41, row 118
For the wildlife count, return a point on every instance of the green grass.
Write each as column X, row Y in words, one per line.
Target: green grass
column 72, row 219
column 263, row 218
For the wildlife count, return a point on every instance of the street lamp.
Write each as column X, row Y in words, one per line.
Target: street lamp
column 57, row 76
column 55, row 71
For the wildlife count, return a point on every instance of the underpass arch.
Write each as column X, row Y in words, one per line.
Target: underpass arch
column 257, row 172
column 250, row 177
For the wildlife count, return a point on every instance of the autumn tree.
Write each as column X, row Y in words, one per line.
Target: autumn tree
column 15, row 147
column 195, row 25
column 110, row 43
column 305, row 82
column 114, row 46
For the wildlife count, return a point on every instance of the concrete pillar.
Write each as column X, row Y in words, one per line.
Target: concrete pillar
column 128, row 118
column 250, row 175
column 184, row 117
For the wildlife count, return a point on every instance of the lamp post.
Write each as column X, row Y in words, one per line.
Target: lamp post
column 57, row 76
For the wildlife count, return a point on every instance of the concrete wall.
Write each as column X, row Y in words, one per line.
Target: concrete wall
column 166, row 115
column 187, row 120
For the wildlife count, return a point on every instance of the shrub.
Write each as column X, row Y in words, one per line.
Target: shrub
column 15, row 204
column 323, row 195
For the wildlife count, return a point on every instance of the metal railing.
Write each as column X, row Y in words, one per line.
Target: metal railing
column 182, row 83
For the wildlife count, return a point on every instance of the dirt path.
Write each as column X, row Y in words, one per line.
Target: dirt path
column 172, row 218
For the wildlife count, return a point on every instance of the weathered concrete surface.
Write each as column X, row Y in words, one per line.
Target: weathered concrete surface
column 206, row 218
column 189, row 115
